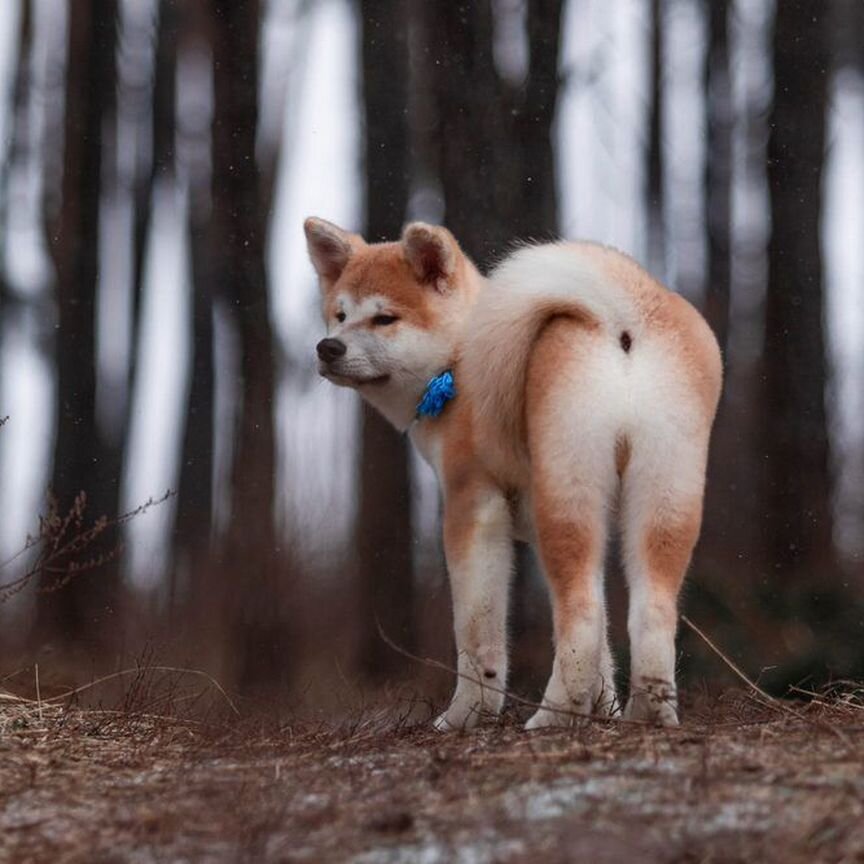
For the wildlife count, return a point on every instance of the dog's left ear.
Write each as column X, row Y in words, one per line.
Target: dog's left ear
column 432, row 252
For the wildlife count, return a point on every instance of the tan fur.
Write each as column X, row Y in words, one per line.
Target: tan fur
column 464, row 479
column 569, row 551
column 669, row 543
column 382, row 269
column 495, row 379
column 581, row 382
column 691, row 338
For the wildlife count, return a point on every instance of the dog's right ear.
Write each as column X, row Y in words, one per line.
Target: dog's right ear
column 432, row 253
column 329, row 247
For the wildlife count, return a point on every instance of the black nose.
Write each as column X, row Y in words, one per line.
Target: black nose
column 330, row 349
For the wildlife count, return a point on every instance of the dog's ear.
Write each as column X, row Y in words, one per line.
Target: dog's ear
column 432, row 252
column 329, row 247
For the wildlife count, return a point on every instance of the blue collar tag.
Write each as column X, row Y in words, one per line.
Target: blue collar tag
column 439, row 391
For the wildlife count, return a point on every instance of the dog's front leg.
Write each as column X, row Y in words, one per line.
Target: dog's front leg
column 479, row 549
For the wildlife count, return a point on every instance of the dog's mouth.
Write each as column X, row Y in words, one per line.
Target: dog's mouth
column 371, row 382
column 353, row 380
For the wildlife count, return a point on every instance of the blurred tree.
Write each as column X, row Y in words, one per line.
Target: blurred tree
column 481, row 96
column 798, row 485
column 16, row 148
column 383, row 530
column 654, row 167
column 256, row 640
column 847, row 33
column 80, row 448
column 718, row 169
column 467, row 134
column 533, row 211
column 156, row 130
column 194, row 525
column 493, row 137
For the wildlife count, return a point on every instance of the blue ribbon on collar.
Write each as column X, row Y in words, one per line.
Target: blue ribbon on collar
column 439, row 391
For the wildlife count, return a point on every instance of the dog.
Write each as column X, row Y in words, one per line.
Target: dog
column 566, row 391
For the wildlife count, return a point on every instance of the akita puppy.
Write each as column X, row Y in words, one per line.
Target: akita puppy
column 565, row 388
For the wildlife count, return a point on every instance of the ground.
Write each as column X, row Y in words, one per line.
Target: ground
column 740, row 780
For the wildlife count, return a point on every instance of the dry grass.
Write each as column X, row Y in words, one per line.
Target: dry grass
column 66, row 545
column 145, row 780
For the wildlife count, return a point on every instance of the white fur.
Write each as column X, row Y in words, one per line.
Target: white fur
column 480, row 586
column 409, row 355
column 603, row 394
column 666, row 474
column 581, row 445
column 555, row 270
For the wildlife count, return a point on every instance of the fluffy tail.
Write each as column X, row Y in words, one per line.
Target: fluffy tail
column 495, row 368
column 532, row 286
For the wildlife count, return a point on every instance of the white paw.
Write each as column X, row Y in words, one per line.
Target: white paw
column 468, row 708
column 458, row 718
column 546, row 718
column 653, row 705
column 559, row 715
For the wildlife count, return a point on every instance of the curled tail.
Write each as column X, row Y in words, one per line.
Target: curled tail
column 494, row 370
column 530, row 288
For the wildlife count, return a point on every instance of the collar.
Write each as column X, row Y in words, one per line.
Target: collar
column 439, row 391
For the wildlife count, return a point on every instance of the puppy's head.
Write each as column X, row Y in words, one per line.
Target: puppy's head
column 392, row 310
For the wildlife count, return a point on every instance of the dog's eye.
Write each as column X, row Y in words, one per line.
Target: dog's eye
column 384, row 320
column 340, row 317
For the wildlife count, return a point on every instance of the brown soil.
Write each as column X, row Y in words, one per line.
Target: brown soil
column 739, row 781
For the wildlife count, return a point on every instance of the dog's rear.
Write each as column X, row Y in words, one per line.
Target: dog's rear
column 603, row 384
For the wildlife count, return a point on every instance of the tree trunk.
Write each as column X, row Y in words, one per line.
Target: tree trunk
column 798, row 487
column 472, row 136
column 654, row 173
column 194, row 523
column 82, row 607
column 534, row 213
column 718, row 170
column 494, row 141
column 251, row 591
column 383, row 531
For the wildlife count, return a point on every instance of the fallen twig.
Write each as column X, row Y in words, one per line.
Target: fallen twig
column 514, row 697
column 137, row 671
column 768, row 700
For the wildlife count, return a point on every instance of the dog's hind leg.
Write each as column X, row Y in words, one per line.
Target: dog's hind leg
column 573, row 481
column 661, row 515
column 571, row 535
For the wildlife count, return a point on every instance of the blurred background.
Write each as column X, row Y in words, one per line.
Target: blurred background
column 158, row 314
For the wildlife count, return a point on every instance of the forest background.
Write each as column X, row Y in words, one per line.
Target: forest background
column 158, row 315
